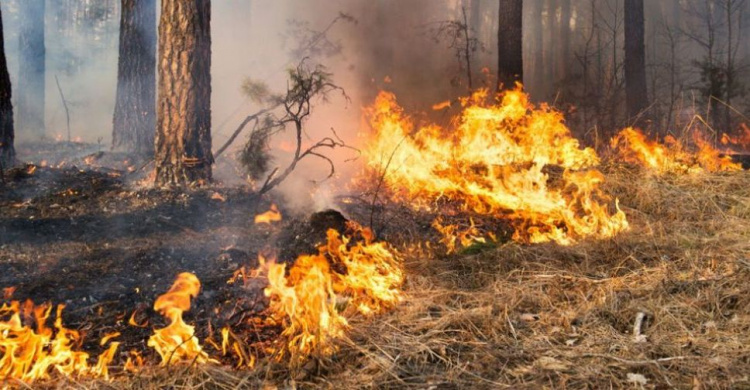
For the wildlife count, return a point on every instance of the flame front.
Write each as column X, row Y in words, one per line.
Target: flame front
column 312, row 301
column 634, row 147
column 177, row 342
column 28, row 354
column 493, row 162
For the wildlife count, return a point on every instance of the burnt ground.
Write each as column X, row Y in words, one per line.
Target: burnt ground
column 89, row 237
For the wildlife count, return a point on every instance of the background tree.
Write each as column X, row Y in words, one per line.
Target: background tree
column 31, row 79
column 183, row 133
column 635, row 59
column 135, row 105
column 7, row 152
column 509, row 43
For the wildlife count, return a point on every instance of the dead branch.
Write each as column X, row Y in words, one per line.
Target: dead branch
column 65, row 104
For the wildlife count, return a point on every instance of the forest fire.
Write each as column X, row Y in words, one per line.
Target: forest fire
column 177, row 342
column 634, row 147
column 497, row 160
column 30, row 350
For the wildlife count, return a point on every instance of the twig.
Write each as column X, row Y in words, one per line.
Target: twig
column 242, row 125
column 65, row 104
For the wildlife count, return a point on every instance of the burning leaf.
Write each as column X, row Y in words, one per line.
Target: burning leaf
column 495, row 163
column 272, row 215
column 177, row 342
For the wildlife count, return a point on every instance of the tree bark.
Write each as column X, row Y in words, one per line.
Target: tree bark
column 183, row 134
column 509, row 44
column 31, row 75
column 537, row 82
column 7, row 152
column 550, row 46
column 635, row 58
column 134, row 120
column 564, row 58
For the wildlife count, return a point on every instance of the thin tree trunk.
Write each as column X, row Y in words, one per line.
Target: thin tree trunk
column 564, row 58
column 7, row 152
column 183, row 134
column 550, row 46
column 510, row 45
column 537, row 81
column 31, row 75
column 134, row 120
column 635, row 59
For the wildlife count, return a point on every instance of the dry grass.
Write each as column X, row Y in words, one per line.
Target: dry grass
column 558, row 317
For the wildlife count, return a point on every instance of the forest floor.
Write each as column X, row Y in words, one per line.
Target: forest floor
column 496, row 316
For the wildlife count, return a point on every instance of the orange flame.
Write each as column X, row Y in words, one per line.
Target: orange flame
column 177, row 342
column 634, row 147
column 307, row 299
column 492, row 162
column 272, row 215
column 28, row 354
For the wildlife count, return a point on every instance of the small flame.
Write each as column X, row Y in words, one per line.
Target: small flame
column 306, row 299
column 272, row 215
column 28, row 354
column 177, row 342
column 632, row 146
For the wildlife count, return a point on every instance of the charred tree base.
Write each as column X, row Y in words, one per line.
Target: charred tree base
column 181, row 175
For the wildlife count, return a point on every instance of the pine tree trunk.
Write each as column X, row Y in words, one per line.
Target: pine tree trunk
column 134, row 120
column 31, row 75
column 509, row 44
column 635, row 58
column 537, row 82
column 564, row 58
column 183, row 133
column 7, row 152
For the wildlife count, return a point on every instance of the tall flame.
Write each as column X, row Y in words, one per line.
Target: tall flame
column 634, row 147
column 308, row 300
column 492, row 162
column 28, row 354
column 177, row 342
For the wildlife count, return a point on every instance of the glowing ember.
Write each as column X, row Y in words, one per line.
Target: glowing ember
column 492, row 163
column 177, row 342
column 306, row 300
column 673, row 156
column 272, row 215
column 28, row 354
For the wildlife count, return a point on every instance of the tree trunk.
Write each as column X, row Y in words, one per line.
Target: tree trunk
column 7, row 152
column 509, row 44
column 635, row 58
column 31, row 75
column 183, row 133
column 537, row 82
column 550, row 47
column 564, row 58
column 134, row 121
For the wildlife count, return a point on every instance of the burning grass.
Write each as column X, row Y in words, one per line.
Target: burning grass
column 530, row 316
column 660, row 299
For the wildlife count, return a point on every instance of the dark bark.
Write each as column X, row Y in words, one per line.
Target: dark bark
column 134, row 120
column 183, row 133
column 509, row 44
column 31, row 75
column 635, row 59
column 7, row 152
